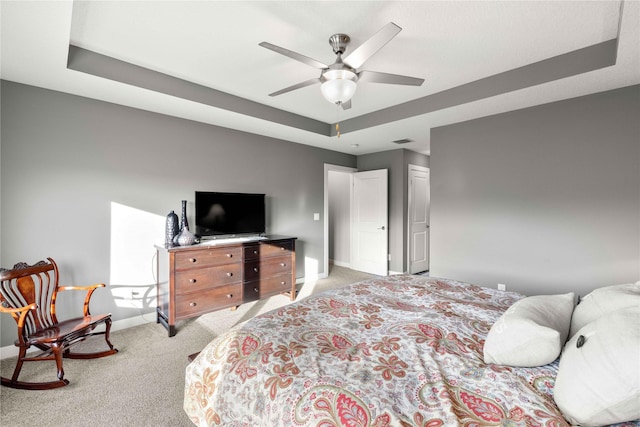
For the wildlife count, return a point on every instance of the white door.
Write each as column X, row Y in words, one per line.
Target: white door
column 419, row 198
column 369, row 222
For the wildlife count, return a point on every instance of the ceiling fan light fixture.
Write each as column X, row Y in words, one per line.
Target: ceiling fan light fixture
column 339, row 86
column 338, row 81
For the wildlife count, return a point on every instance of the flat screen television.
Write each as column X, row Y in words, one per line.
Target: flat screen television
column 220, row 214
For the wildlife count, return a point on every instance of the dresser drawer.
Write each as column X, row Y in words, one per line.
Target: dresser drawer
column 195, row 303
column 207, row 257
column 202, row 278
column 265, row 250
column 267, row 287
column 261, row 269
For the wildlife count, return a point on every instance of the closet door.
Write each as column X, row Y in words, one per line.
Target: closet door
column 369, row 222
column 418, row 219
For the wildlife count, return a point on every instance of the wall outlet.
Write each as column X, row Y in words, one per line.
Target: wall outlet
column 131, row 295
column 502, row 287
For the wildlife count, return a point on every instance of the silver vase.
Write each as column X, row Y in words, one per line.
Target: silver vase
column 172, row 229
column 186, row 238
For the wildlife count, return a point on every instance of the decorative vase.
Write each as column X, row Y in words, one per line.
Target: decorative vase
column 186, row 238
column 183, row 220
column 172, row 229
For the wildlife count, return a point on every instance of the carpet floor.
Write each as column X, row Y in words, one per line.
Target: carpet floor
column 143, row 384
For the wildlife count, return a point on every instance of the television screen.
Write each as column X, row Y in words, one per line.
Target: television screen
column 229, row 213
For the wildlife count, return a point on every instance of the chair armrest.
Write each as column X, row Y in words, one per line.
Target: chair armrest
column 14, row 311
column 81, row 288
column 89, row 290
column 20, row 315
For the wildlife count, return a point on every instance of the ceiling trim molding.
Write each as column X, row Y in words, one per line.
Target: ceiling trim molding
column 576, row 62
column 96, row 64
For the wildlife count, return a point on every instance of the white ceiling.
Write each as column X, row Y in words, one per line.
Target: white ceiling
column 215, row 44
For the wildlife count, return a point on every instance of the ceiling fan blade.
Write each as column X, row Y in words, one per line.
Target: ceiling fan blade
column 296, row 86
column 346, row 105
column 294, row 55
column 394, row 79
column 359, row 56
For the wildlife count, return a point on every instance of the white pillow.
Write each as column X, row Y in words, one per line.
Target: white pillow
column 603, row 301
column 531, row 332
column 599, row 382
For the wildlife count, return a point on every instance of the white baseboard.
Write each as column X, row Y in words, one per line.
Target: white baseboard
column 340, row 263
column 348, row 265
column 311, row 278
column 12, row 350
column 133, row 321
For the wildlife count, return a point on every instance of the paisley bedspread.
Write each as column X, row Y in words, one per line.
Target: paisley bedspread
column 396, row 351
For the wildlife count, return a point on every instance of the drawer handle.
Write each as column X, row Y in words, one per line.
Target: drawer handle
column 255, row 269
column 192, row 280
column 193, row 304
column 229, row 255
column 283, row 283
column 283, row 264
column 255, row 290
column 255, row 252
column 229, row 295
column 192, row 259
column 229, row 274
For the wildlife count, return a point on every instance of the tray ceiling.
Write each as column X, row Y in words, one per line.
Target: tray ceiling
column 201, row 60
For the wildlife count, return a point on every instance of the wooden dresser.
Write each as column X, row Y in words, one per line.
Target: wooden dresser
column 198, row 279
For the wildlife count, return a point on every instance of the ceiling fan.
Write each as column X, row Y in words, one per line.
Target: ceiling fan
column 338, row 80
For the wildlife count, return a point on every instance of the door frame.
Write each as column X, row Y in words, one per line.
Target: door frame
column 409, row 202
column 329, row 167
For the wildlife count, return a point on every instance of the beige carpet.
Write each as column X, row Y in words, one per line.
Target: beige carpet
column 143, row 384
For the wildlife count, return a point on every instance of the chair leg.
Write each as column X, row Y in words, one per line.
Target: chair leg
column 14, row 383
column 57, row 352
column 107, row 331
column 18, row 368
column 72, row 355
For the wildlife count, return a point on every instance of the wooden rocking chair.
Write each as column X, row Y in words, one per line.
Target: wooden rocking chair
column 29, row 294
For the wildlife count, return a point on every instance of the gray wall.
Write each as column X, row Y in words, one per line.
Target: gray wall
column 90, row 183
column 396, row 161
column 544, row 199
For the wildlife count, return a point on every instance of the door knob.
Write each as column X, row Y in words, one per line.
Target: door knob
column 381, row 228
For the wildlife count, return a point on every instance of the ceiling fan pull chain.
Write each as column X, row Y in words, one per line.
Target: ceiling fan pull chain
column 338, row 119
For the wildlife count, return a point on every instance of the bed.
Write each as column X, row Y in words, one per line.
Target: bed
column 403, row 350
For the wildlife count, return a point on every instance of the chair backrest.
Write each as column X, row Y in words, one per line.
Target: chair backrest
column 26, row 284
